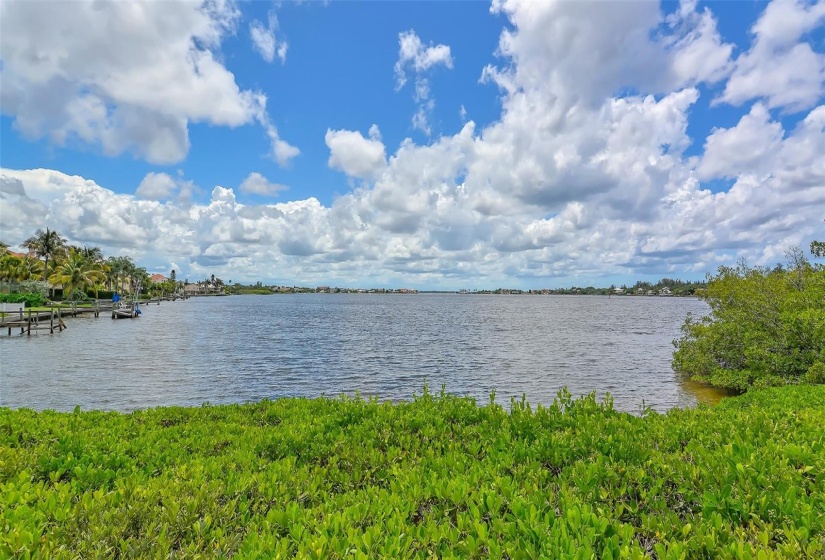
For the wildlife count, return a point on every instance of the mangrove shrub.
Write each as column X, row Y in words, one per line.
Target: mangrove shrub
column 766, row 327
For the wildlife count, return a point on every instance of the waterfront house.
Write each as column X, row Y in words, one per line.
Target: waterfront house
column 665, row 291
column 158, row 278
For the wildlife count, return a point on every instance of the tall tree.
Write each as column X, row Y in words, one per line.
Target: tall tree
column 9, row 267
column 47, row 245
column 93, row 254
column 77, row 273
column 29, row 269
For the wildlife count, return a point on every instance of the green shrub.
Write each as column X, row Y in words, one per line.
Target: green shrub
column 437, row 477
column 31, row 300
column 816, row 374
column 766, row 327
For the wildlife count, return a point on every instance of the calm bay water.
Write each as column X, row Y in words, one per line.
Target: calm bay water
column 248, row 348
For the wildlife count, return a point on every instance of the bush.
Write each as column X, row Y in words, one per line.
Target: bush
column 766, row 327
column 101, row 294
column 31, row 300
column 816, row 374
column 437, row 477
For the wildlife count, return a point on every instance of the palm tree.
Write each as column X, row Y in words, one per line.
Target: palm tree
column 9, row 266
column 121, row 269
column 93, row 254
column 29, row 269
column 76, row 273
column 46, row 245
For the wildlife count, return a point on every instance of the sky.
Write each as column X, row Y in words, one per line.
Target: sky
column 429, row 145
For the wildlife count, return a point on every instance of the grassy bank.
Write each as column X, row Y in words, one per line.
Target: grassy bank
column 438, row 476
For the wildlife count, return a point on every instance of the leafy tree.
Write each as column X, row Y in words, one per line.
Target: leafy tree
column 29, row 269
column 78, row 273
column 93, row 254
column 818, row 248
column 47, row 245
column 766, row 326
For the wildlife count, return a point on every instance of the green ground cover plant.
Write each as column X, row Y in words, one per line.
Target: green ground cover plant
column 436, row 477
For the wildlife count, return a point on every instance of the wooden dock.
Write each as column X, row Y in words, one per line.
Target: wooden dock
column 29, row 321
column 34, row 321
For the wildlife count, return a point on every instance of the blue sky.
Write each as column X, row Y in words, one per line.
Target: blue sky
column 581, row 155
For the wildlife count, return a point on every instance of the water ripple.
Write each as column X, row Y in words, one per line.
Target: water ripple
column 246, row 348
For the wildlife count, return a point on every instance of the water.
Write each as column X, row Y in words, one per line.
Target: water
column 248, row 348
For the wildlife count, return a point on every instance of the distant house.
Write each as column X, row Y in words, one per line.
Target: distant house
column 618, row 291
column 640, row 291
column 322, row 290
column 665, row 291
column 202, row 288
column 158, row 278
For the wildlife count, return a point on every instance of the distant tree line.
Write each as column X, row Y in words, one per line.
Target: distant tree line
column 50, row 264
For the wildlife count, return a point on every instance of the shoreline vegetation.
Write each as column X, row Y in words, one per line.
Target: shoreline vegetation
column 766, row 327
column 664, row 287
column 53, row 271
column 438, row 476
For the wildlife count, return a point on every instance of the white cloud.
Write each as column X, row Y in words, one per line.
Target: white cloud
column 421, row 119
column 282, row 152
column 573, row 182
column 781, row 67
column 255, row 183
column 125, row 76
column 355, row 155
column 698, row 53
column 161, row 186
column 744, row 148
column 413, row 54
column 264, row 39
column 156, row 186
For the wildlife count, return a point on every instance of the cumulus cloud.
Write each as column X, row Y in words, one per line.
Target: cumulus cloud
column 744, row 148
column 132, row 80
column 781, row 67
column 156, row 186
column 264, row 39
column 575, row 180
column 355, row 155
column 255, row 183
column 697, row 51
